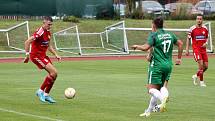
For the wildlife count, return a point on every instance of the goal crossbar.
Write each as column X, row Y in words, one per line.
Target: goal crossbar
column 209, row 49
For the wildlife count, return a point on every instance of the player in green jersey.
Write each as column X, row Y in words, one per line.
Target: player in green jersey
column 160, row 44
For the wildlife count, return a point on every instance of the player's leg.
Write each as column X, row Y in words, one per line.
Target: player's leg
column 153, row 90
column 152, row 104
column 200, row 73
column 153, row 86
column 167, row 70
column 40, row 64
column 155, row 82
column 205, row 67
column 205, row 61
column 165, row 94
column 198, row 59
column 164, row 91
column 50, row 79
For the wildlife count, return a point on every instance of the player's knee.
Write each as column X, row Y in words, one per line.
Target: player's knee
column 53, row 75
column 205, row 68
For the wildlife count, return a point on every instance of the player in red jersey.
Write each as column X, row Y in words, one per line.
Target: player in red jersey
column 40, row 42
column 199, row 36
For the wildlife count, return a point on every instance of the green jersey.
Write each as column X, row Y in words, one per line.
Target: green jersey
column 160, row 67
column 162, row 43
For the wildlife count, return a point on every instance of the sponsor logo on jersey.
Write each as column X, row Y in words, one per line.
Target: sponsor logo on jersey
column 200, row 37
column 44, row 43
column 164, row 36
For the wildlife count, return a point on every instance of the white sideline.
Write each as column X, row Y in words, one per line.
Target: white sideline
column 30, row 115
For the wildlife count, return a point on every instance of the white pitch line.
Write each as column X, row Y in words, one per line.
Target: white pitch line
column 30, row 115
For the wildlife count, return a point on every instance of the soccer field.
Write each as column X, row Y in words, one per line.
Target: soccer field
column 107, row 90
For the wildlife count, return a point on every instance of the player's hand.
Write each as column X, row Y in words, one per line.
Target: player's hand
column 58, row 58
column 26, row 59
column 134, row 47
column 178, row 62
column 204, row 45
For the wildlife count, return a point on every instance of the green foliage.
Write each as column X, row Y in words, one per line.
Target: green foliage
column 116, row 15
column 181, row 13
column 210, row 17
column 137, row 14
column 71, row 19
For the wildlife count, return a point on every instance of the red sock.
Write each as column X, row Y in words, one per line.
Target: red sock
column 197, row 73
column 49, row 85
column 46, row 82
column 43, row 86
column 200, row 74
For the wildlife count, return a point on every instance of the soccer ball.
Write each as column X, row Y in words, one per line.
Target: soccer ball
column 156, row 108
column 69, row 93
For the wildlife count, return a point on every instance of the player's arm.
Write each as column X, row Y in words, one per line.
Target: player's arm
column 187, row 45
column 189, row 37
column 27, row 48
column 144, row 47
column 179, row 43
column 205, row 44
column 149, row 55
column 51, row 49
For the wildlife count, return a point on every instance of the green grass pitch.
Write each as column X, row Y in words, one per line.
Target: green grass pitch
column 107, row 90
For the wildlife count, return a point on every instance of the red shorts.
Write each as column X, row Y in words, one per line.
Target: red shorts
column 198, row 55
column 41, row 62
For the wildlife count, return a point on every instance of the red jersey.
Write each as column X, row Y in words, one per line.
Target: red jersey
column 199, row 36
column 41, row 42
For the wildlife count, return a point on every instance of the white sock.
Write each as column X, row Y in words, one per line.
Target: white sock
column 156, row 93
column 164, row 92
column 152, row 104
column 46, row 94
column 40, row 90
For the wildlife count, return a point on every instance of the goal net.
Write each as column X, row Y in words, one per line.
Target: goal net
column 12, row 39
column 140, row 35
column 116, row 37
column 112, row 41
column 67, row 40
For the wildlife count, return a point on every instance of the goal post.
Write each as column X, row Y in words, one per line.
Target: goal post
column 140, row 35
column 12, row 39
column 210, row 41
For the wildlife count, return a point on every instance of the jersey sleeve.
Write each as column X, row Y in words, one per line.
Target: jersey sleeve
column 38, row 33
column 151, row 39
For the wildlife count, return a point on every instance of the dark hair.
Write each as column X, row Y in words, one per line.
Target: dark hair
column 47, row 18
column 199, row 15
column 158, row 21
